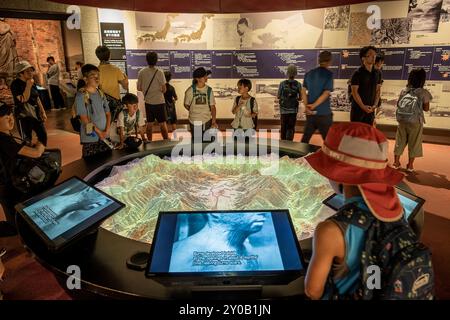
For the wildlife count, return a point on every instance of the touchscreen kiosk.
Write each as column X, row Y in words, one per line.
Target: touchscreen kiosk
column 67, row 211
column 411, row 203
column 225, row 248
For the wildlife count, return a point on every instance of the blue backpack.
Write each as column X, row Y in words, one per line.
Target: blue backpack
column 405, row 263
column 289, row 95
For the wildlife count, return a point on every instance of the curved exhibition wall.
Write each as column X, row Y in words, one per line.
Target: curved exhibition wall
column 259, row 46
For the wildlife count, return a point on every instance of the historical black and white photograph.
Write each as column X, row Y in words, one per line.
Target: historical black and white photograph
column 337, row 18
column 358, row 33
column 425, row 15
column 392, row 31
column 445, row 11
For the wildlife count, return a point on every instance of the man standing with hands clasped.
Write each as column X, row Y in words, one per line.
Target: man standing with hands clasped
column 366, row 87
column 316, row 91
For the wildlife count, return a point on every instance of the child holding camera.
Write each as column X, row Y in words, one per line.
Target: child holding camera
column 129, row 121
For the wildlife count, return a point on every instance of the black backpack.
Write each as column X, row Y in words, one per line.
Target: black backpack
column 405, row 263
column 32, row 176
column 349, row 91
column 252, row 106
column 115, row 106
column 289, row 95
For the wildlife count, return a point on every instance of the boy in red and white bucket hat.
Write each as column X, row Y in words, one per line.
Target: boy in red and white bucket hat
column 354, row 159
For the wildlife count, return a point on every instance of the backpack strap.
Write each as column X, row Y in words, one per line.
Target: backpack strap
column 236, row 101
column 87, row 100
column 125, row 115
column 146, row 91
column 285, row 83
column 136, row 124
column 252, row 104
column 352, row 214
column 209, row 91
column 101, row 93
column 193, row 86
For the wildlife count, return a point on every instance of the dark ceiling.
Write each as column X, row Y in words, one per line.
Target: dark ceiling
column 211, row 6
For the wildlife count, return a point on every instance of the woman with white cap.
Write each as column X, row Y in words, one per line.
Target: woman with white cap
column 29, row 110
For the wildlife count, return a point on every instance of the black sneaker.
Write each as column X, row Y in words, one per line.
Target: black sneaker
column 7, row 230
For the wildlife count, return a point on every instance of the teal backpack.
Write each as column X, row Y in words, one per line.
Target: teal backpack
column 405, row 263
column 208, row 93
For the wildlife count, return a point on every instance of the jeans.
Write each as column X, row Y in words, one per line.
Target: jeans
column 58, row 100
column 288, row 126
column 317, row 122
column 29, row 124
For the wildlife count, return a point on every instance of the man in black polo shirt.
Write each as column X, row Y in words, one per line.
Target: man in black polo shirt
column 366, row 86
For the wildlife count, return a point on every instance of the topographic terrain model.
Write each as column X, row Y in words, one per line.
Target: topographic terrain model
column 151, row 184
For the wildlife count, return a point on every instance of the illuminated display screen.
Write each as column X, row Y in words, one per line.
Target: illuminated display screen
column 224, row 241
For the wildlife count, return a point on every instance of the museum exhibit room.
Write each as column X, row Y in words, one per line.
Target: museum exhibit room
column 224, row 150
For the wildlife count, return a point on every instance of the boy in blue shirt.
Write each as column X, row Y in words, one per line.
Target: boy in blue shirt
column 316, row 91
column 92, row 107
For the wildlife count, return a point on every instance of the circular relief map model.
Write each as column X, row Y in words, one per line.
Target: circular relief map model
column 151, row 184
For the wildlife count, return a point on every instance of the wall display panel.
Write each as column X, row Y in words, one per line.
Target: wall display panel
column 340, row 103
column 172, row 31
column 222, row 64
column 350, row 61
column 445, row 12
column 180, row 64
column 394, row 60
column 358, row 34
column 425, row 15
column 441, row 64
column 266, row 91
column 394, row 31
column 336, row 62
column 281, row 30
column 418, row 57
column 113, row 36
column 260, row 46
column 336, row 18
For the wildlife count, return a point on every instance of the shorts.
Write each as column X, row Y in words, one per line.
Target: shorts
column 410, row 134
column 171, row 113
column 155, row 111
